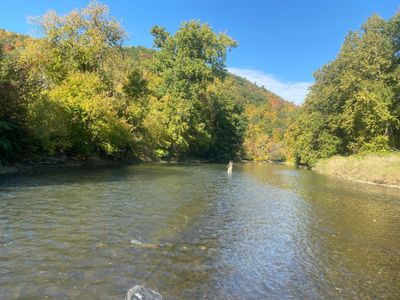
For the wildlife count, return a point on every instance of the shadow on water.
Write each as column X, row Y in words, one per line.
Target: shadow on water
column 88, row 174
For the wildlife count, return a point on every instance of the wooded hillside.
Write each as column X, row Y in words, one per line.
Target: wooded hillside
column 79, row 92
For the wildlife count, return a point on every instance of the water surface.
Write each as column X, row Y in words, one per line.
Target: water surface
column 192, row 231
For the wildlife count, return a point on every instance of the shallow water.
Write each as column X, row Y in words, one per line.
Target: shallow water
column 193, row 231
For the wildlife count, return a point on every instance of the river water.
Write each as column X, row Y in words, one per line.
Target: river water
column 192, row 231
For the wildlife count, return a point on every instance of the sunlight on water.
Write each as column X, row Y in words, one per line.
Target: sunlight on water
column 191, row 231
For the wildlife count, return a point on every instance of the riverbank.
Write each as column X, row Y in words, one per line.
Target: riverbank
column 378, row 169
column 46, row 163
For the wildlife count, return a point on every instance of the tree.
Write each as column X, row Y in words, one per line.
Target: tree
column 351, row 106
column 12, row 113
column 187, row 63
column 366, row 116
column 228, row 122
column 78, row 102
column 82, row 118
column 80, row 41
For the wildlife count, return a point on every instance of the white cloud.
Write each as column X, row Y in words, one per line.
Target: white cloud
column 292, row 91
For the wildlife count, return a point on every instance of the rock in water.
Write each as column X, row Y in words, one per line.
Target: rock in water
column 139, row 292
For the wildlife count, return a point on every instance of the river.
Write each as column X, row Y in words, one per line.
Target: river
column 192, row 231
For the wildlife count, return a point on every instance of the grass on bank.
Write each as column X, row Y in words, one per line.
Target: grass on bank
column 376, row 168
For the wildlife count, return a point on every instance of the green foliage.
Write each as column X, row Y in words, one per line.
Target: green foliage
column 310, row 139
column 192, row 58
column 247, row 92
column 10, row 141
column 188, row 64
column 80, row 41
column 139, row 55
column 268, row 118
column 228, row 122
column 353, row 105
column 136, row 88
column 83, row 119
column 77, row 92
column 12, row 115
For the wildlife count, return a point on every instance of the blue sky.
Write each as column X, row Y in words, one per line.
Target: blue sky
column 281, row 43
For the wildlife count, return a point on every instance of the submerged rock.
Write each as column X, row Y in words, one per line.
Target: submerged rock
column 139, row 292
column 143, row 244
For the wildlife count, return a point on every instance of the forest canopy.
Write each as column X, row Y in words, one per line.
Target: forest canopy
column 77, row 91
column 354, row 105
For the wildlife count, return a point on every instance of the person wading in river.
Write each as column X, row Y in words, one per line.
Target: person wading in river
column 229, row 167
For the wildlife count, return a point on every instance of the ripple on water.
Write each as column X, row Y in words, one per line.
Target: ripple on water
column 191, row 231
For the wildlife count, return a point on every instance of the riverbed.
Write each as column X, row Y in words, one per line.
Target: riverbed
column 193, row 231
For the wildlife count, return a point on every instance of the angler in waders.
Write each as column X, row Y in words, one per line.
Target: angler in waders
column 229, row 167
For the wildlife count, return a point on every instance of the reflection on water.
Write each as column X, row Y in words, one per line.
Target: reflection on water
column 192, row 231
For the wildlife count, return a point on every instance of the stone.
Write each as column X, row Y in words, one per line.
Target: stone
column 139, row 292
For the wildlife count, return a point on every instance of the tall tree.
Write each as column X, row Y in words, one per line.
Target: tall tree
column 82, row 106
column 352, row 101
column 82, row 40
column 187, row 63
